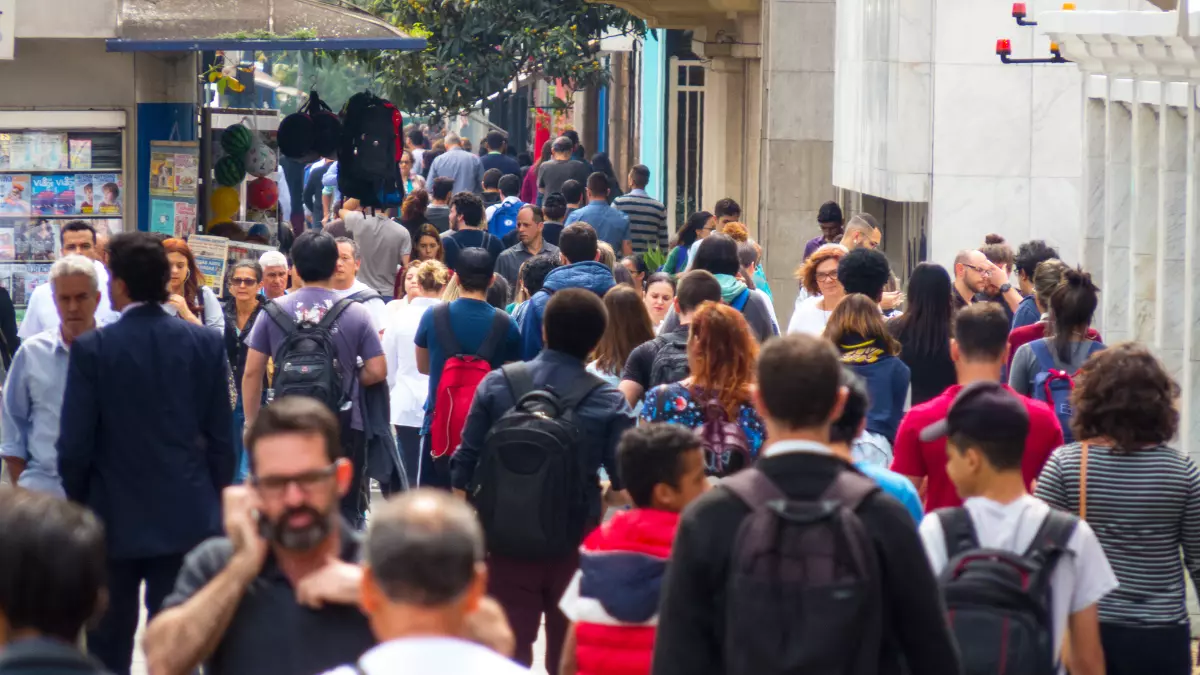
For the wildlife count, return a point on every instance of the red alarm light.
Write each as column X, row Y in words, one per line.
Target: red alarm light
column 1018, row 10
column 1004, row 47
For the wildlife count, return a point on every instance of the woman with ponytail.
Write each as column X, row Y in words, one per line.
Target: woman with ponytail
column 1068, row 341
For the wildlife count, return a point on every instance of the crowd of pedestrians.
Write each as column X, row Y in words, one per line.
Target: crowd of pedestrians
column 628, row 458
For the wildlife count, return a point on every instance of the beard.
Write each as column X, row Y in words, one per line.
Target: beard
column 304, row 538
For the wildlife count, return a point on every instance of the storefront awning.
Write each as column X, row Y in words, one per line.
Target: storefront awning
column 266, row 25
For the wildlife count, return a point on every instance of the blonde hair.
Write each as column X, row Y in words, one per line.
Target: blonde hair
column 608, row 257
column 432, row 275
column 452, row 290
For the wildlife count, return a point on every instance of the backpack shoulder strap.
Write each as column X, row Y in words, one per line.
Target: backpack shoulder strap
column 334, row 313
column 444, row 332
column 281, row 318
column 957, row 531
column 573, row 395
column 1042, row 353
column 365, row 296
column 1052, row 537
column 753, row 487
column 520, row 380
column 850, row 488
column 495, row 337
column 739, row 303
column 1095, row 346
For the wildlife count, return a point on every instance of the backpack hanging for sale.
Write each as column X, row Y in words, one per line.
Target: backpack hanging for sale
column 369, row 155
column 310, row 133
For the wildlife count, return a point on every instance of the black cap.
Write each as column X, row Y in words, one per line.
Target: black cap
column 474, row 262
column 830, row 213
column 983, row 411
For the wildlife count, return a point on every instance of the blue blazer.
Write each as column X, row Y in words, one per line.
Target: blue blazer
column 146, row 431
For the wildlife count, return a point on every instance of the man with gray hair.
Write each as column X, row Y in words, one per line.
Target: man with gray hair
column 346, row 284
column 424, row 576
column 33, row 393
column 77, row 237
column 275, row 274
column 464, row 167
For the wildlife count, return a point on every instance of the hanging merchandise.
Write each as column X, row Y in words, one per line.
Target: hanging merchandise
column 237, row 139
column 261, row 160
column 262, row 193
column 224, row 204
column 369, row 156
column 230, row 170
column 311, row 133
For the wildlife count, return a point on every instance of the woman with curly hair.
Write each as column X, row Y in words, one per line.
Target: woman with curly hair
column 188, row 297
column 856, row 328
column 818, row 277
column 1141, row 497
column 716, row 397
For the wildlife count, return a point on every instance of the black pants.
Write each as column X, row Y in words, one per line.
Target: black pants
column 112, row 640
column 354, row 504
column 1161, row 650
column 434, row 472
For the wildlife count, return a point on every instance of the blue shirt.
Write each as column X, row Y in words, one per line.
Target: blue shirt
column 464, row 167
column 611, row 225
column 1027, row 313
column 895, row 485
column 471, row 321
column 33, row 400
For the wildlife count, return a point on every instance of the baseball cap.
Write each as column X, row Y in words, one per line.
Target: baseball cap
column 830, row 213
column 984, row 411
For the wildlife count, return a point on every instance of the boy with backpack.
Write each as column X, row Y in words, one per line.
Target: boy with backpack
column 663, row 360
column 502, row 217
column 613, row 600
column 1016, row 575
column 457, row 345
column 535, row 439
column 800, row 564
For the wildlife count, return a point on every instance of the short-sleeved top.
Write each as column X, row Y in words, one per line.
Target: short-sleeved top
column 552, row 174
column 676, row 404
column 639, row 367
column 1080, row 579
column 914, row 457
column 471, row 321
column 271, row 632
column 383, row 243
column 471, row 238
column 895, row 485
column 354, row 333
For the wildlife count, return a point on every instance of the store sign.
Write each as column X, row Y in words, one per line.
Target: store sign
column 8, row 28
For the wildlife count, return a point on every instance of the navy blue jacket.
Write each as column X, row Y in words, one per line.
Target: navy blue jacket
column 602, row 417
column 500, row 161
column 887, row 381
column 145, row 437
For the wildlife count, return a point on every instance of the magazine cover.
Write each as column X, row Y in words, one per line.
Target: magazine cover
column 211, row 254
column 42, row 198
column 7, row 244
column 14, row 195
column 35, row 275
column 20, row 152
column 162, row 216
column 107, row 188
column 81, row 154
column 37, row 240
column 185, row 219
column 85, row 194
column 64, row 195
column 5, row 151
column 50, row 151
column 187, row 175
column 162, row 174
column 16, row 286
column 107, row 227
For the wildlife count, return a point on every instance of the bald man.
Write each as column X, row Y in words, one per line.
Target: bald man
column 972, row 272
column 862, row 231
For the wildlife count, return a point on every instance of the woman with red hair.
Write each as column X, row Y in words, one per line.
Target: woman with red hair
column 715, row 400
column 189, row 298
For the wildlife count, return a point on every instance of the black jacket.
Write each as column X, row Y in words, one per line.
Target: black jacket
column 8, row 328
column 235, row 341
column 691, row 623
column 46, row 656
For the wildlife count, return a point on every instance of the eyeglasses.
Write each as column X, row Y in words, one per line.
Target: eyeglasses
column 982, row 272
column 242, row 281
column 277, row 485
column 826, row 276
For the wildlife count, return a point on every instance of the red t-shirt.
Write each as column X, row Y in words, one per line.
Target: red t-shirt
column 1035, row 331
column 912, row 457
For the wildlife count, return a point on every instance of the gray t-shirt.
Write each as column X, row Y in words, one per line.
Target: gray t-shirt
column 1025, row 365
column 383, row 242
column 554, row 173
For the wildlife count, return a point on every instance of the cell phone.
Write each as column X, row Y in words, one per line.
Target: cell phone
column 265, row 529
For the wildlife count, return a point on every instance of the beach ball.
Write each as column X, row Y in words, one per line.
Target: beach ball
column 224, row 204
column 237, row 139
column 260, row 160
column 230, row 170
column 262, row 193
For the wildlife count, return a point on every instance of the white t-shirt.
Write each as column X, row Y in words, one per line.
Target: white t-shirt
column 808, row 317
column 408, row 387
column 432, row 656
column 1080, row 579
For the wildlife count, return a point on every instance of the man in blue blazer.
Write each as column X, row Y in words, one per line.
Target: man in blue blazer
column 145, row 439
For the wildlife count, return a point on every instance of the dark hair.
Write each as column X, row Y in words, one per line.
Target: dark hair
column 562, row 144
column 997, row 251
column 140, row 261
column 424, row 548
column 497, row 293
column 639, row 263
column 639, row 176
column 574, row 321
column 727, row 207
column 251, row 265
column 858, row 400
column 629, row 325
column 539, row 216
column 578, row 242
column 981, row 332
column 315, row 255
column 687, row 235
column 442, row 187
column 536, row 269
column 660, row 278
column 718, row 254
column 653, row 454
column 1125, row 394
column 296, row 415
column 416, row 138
column 554, row 207
column 831, row 212
column 747, row 254
column 524, row 159
column 469, row 206
column 491, row 179
column 573, row 135
column 623, row 276
column 572, row 191
column 866, row 271
column 602, row 164
column 924, row 328
column 1030, row 255
column 1003, row 455
column 427, row 161
column 510, row 185
column 496, row 140
column 696, row 287
column 1072, row 306
column 474, row 269
column 798, row 380
column 546, row 155
column 76, row 226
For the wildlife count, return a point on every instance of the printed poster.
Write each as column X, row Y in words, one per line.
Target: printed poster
column 185, row 219
column 15, row 191
column 162, row 216
column 37, row 240
column 5, row 151
column 187, row 174
column 85, row 194
column 81, row 154
column 21, row 152
column 107, row 187
column 35, row 275
column 162, row 174
column 8, row 250
column 42, row 198
column 50, row 151
column 211, row 254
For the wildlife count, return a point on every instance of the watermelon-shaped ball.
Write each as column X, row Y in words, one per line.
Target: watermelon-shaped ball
column 237, row 139
column 230, row 170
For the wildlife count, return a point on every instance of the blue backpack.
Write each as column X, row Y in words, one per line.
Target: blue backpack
column 504, row 218
column 739, row 303
column 1054, row 386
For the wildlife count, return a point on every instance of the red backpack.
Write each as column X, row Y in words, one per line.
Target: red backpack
column 461, row 376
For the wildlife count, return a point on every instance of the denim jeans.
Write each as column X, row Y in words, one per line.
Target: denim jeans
column 241, row 459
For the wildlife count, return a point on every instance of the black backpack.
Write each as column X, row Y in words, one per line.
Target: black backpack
column 368, row 159
column 804, row 592
column 671, row 362
column 365, row 295
column 998, row 602
column 306, row 362
column 531, row 483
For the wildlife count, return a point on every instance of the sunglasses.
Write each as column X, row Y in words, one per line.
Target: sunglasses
column 242, row 281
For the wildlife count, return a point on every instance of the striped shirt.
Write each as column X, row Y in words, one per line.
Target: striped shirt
column 647, row 220
column 1144, row 506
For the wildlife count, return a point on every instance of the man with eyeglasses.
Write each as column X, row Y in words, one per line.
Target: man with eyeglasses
column 972, row 274
column 279, row 592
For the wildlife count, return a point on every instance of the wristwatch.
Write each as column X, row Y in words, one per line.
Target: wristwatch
column 1005, row 288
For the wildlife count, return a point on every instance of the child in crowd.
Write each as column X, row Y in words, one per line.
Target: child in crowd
column 613, row 601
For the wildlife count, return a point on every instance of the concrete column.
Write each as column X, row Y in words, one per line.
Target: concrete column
column 724, row 132
column 1144, row 208
column 1095, row 118
column 1117, row 194
column 1172, row 203
column 1189, row 430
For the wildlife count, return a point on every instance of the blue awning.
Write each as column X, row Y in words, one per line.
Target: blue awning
column 400, row 43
